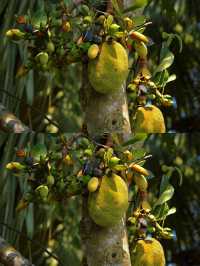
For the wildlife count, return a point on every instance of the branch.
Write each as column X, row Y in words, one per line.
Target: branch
column 10, row 123
column 10, row 256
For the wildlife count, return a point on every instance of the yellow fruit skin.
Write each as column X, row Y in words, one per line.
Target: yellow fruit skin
column 148, row 253
column 93, row 51
column 139, row 169
column 93, row 184
column 138, row 36
column 108, row 72
column 108, row 205
column 149, row 120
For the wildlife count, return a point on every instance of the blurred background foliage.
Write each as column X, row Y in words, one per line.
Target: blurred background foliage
column 56, row 226
column 58, row 96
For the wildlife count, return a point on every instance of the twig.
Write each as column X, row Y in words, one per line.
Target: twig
column 29, row 239
column 33, row 108
column 9, row 256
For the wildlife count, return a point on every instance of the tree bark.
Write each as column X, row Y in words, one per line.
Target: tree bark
column 10, row 123
column 10, row 256
column 104, row 113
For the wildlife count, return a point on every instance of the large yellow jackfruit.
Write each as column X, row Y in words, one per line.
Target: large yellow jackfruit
column 110, row 69
column 148, row 253
column 108, row 204
column 149, row 120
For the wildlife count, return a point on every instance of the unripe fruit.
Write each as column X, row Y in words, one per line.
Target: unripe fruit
column 114, row 27
column 141, row 182
column 88, row 152
column 149, row 119
column 87, row 19
column 109, row 203
column 42, row 191
column 50, row 180
column 15, row 34
column 139, row 169
column 135, row 35
column 15, row 166
column 42, row 57
column 141, row 49
column 148, row 253
column 50, row 47
column 110, row 69
column 93, row 51
column 113, row 161
column 93, row 184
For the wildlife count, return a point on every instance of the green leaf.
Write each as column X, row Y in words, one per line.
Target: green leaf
column 166, row 62
column 39, row 151
column 170, row 36
column 164, row 183
column 39, row 19
column 137, row 4
column 180, row 175
column 171, row 211
column 165, row 196
column 137, row 137
column 109, row 20
column 171, row 78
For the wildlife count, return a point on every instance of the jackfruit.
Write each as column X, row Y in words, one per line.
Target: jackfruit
column 149, row 120
column 108, row 205
column 110, row 69
column 148, row 253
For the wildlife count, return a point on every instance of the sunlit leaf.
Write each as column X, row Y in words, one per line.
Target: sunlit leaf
column 165, row 196
column 39, row 151
column 166, row 62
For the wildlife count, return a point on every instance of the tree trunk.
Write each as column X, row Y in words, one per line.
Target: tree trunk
column 104, row 113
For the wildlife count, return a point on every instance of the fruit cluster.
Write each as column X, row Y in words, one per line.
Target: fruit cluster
column 110, row 177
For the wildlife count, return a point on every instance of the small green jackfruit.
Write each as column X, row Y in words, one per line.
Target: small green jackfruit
column 149, row 120
column 110, row 69
column 148, row 253
column 108, row 205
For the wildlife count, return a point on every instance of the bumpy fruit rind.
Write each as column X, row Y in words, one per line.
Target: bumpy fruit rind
column 108, row 205
column 149, row 120
column 148, row 253
column 110, row 69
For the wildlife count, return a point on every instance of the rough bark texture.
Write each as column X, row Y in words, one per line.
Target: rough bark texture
column 104, row 113
column 11, row 257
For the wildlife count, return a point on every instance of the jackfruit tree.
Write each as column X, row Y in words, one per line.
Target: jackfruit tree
column 100, row 163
